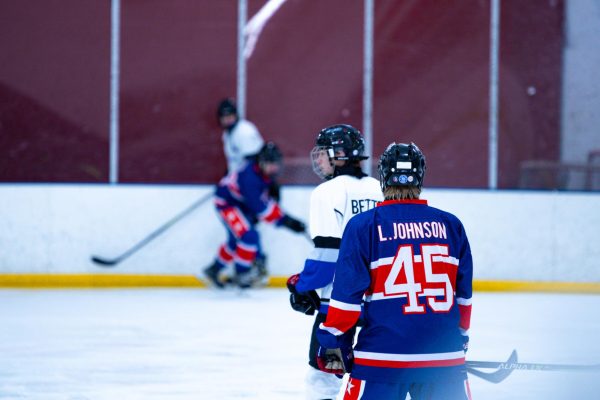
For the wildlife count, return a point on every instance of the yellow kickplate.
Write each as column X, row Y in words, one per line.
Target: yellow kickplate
column 138, row 280
column 96, row 280
column 536, row 286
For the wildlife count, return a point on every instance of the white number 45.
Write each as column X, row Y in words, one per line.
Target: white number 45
column 406, row 260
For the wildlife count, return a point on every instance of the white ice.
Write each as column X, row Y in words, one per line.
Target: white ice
column 203, row 344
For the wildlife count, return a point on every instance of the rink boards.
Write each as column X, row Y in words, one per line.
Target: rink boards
column 520, row 240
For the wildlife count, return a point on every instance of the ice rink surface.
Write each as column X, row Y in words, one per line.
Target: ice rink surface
column 203, row 344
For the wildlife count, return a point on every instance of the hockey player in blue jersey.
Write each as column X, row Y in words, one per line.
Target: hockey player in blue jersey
column 347, row 191
column 410, row 265
column 242, row 200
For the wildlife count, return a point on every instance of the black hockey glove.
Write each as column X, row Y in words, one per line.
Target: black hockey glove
column 304, row 302
column 293, row 224
column 275, row 191
column 337, row 361
column 465, row 346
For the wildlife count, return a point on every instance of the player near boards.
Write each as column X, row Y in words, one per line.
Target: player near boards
column 242, row 200
column 345, row 192
column 241, row 139
column 410, row 265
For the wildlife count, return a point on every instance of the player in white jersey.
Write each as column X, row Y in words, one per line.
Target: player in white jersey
column 241, row 138
column 347, row 191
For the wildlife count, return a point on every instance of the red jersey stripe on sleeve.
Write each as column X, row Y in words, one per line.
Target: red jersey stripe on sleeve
column 465, row 317
column 272, row 213
column 341, row 319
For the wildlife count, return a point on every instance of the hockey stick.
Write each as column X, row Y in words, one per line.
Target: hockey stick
column 505, row 368
column 109, row 262
column 497, row 376
column 307, row 236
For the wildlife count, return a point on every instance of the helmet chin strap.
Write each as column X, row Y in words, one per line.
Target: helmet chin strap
column 348, row 169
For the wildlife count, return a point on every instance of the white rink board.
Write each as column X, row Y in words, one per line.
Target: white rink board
column 515, row 235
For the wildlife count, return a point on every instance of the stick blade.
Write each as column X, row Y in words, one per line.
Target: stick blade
column 500, row 374
column 103, row 262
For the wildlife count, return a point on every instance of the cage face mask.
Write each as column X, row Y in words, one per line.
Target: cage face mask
column 322, row 161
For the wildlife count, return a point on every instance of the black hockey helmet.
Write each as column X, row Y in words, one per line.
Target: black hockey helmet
column 227, row 107
column 342, row 137
column 402, row 165
column 270, row 159
column 269, row 153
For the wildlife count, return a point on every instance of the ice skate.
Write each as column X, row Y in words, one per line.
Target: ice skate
column 212, row 275
column 246, row 279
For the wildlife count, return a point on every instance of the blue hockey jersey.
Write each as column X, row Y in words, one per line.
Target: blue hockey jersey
column 412, row 266
column 247, row 190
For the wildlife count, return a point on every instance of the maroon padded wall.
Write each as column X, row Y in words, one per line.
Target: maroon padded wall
column 179, row 59
column 532, row 41
column 54, row 90
column 431, row 85
column 305, row 74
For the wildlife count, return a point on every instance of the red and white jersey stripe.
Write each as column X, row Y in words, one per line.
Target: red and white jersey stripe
column 409, row 360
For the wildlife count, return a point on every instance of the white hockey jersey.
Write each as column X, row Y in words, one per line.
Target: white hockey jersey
column 242, row 141
column 332, row 204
